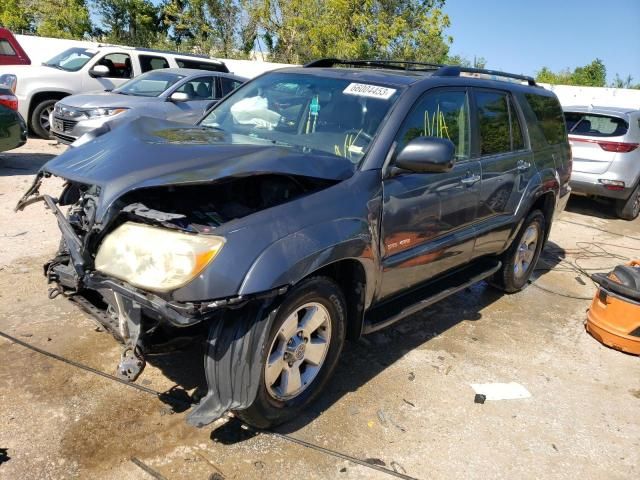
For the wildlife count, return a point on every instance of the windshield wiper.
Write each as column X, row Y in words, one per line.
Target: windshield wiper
column 54, row 66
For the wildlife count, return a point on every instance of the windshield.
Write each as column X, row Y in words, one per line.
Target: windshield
column 306, row 112
column 72, row 59
column 149, row 84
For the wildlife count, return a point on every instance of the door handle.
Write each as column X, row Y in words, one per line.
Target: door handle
column 470, row 179
column 523, row 165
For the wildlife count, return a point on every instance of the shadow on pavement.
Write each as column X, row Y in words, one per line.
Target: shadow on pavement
column 4, row 456
column 22, row 163
column 360, row 361
column 588, row 206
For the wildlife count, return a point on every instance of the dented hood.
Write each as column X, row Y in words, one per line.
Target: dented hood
column 148, row 152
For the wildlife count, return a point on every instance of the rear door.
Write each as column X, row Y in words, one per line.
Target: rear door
column 507, row 166
column 427, row 217
column 595, row 139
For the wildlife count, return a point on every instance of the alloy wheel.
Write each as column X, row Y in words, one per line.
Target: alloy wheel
column 298, row 351
column 526, row 251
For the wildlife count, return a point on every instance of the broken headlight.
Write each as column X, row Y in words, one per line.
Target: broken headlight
column 155, row 258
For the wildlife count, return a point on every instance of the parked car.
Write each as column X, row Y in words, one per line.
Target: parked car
column 13, row 130
column 310, row 205
column 85, row 69
column 179, row 94
column 606, row 157
column 11, row 52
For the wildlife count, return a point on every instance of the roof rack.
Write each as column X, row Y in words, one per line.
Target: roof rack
column 438, row 70
column 456, row 70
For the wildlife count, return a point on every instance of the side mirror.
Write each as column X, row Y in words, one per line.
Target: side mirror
column 427, row 155
column 178, row 97
column 99, row 71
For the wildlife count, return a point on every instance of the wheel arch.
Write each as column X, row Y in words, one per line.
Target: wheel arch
column 38, row 97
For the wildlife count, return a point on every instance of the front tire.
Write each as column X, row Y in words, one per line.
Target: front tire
column 519, row 261
column 40, row 118
column 630, row 208
column 300, row 354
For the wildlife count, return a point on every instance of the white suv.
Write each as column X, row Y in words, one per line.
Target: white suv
column 87, row 69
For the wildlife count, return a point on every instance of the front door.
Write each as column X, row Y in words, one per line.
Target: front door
column 427, row 218
column 120, row 71
column 202, row 93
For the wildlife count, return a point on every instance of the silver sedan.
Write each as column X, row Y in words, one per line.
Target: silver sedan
column 178, row 94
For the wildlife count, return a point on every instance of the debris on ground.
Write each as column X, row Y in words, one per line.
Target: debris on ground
column 501, row 391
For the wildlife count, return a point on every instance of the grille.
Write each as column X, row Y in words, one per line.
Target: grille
column 67, row 125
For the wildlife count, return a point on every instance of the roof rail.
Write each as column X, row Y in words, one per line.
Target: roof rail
column 390, row 64
column 153, row 50
column 456, row 70
column 438, row 70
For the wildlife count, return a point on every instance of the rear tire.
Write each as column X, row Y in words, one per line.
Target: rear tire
column 630, row 208
column 519, row 261
column 40, row 118
column 294, row 374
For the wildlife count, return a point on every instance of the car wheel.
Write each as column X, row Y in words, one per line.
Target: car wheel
column 301, row 352
column 630, row 208
column 40, row 118
column 519, row 261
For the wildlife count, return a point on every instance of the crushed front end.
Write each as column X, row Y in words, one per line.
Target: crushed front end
column 153, row 322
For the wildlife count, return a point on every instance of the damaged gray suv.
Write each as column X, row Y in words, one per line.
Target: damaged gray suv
column 312, row 205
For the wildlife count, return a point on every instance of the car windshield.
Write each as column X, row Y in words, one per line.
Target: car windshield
column 306, row 112
column 150, row 84
column 72, row 59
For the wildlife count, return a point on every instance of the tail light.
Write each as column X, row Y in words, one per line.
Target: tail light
column 607, row 146
column 9, row 101
column 619, row 147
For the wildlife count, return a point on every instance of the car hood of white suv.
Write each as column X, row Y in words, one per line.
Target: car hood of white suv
column 47, row 75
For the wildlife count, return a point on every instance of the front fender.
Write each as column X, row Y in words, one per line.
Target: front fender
column 298, row 255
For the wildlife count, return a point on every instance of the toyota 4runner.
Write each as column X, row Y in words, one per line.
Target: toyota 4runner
column 312, row 205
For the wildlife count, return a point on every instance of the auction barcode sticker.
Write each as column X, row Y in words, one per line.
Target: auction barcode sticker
column 373, row 91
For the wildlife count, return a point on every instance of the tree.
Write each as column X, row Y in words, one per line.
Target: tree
column 591, row 75
column 130, row 22
column 478, row 62
column 16, row 16
column 61, row 18
column 297, row 31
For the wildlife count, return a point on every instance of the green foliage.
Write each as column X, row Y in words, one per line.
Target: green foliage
column 129, row 22
column 478, row 62
column 293, row 31
column 591, row 75
column 62, row 18
column 16, row 16
column 626, row 82
column 296, row 31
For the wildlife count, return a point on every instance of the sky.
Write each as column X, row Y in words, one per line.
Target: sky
column 522, row 36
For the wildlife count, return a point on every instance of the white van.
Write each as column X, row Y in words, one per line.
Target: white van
column 87, row 69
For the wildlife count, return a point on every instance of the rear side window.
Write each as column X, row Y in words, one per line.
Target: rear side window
column 149, row 62
column 595, row 125
column 441, row 114
column 499, row 126
column 199, row 65
column 6, row 48
column 228, row 85
column 549, row 117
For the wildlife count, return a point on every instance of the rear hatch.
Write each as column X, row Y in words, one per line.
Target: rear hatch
column 595, row 140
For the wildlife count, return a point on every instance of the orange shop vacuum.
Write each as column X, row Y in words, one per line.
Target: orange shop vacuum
column 614, row 316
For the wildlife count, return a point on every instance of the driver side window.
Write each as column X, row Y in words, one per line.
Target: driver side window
column 119, row 65
column 441, row 114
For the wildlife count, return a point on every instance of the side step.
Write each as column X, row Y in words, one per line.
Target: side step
column 429, row 293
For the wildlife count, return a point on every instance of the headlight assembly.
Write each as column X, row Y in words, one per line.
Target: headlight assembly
column 155, row 258
column 103, row 112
